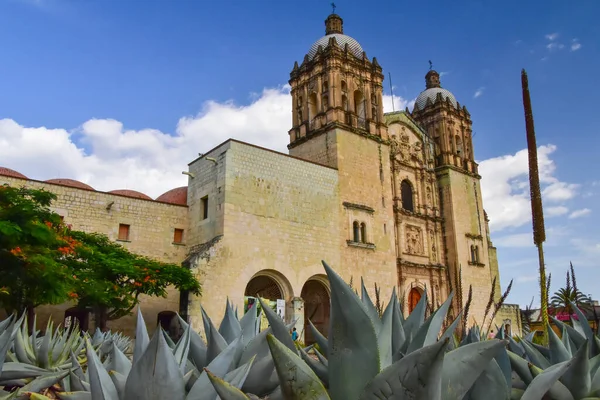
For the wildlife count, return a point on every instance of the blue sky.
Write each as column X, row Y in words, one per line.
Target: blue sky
column 125, row 93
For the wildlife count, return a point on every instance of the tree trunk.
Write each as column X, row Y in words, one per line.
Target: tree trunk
column 101, row 317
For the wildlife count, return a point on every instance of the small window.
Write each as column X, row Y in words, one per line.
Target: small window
column 123, row 232
column 474, row 254
column 205, row 207
column 363, row 232
column 356, row 236
column 178, row 236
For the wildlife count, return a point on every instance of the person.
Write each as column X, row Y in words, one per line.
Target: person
column 491, row 335
column 294, row 335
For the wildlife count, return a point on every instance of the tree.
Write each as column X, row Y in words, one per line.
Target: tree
column 33, row 245
column 109, row 279
column 561, row 300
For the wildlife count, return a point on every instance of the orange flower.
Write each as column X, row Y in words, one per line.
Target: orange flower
column 73, row 295
column 16, row 251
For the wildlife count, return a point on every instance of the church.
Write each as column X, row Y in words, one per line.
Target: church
column 393, row 199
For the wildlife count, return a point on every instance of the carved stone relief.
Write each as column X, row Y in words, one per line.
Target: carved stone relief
column 414, row 240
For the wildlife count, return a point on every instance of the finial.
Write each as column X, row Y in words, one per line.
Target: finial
column 334, row 23
column 430, row 65
column 333, row 8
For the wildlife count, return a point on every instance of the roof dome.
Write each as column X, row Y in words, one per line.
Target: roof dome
column 334, row 27
column 432, row 94
column 12, row 173
column 341, row 39
column 131, row 193
column 70, row 183
column 433, row 88
column 175, row 196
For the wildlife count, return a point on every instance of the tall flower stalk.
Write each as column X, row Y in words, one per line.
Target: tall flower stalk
column 537, row 212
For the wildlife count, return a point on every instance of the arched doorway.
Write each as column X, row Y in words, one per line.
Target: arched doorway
column 273, row 288
column 315, row 294
column 170, row 323
column 77, row 317
column 413, row 298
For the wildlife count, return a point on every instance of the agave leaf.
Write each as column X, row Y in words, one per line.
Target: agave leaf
column 14, row 370
column 398, row 336
column 558, row 351
column 262, row 378
column 156, row 375
column 322, row 359
column 76, row 367
column 38, row 396
column 416, row 376
column 225, row 390
column 100, row 383
column 587, row 330
column 6, row 340
column 74, row 395
column 516, row 347
column 353, row 354
column 221, row 365
column 595, row 383
column 370, row 307
column 520, row 367
column 6, row 322
column 384, row 337
column 491, row 385
column 430, row 330
column 21, row 346
column 462, row 366
column 318, row 368
column 544, row 351
column 544, row 381
column 43, row 382
column 216, row 342
column 257, row 347
column 198, row 348
column 504, row 364
column 577, row 378
column 280, row 331
column 118, row 361
column 535, row 356
column 230, row 327
column 141, row 337
column 76, row 384
column 182, row 349
column 557, row 391
column 43, row 351
column 297, row 380
column 168, row 339
column 238, row 376
column 449, row 332
column 249, row 325
column 575, row 336
column 319, row 338
column 120, row 381
column 416, row 317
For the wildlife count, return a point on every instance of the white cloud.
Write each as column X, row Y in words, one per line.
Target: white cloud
column 515, row 240
column 478, row 92
column 580, row 213
column 555, row 211
column 444, row 73
column 552, row 36
column 505, row 187
column 575, row 45
column 148, row 160
column 528, row 278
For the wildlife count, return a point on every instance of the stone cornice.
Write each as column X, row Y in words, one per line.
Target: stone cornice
column 361, row 207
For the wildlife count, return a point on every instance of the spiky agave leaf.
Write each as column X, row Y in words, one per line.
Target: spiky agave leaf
column 42, row 382
column 491, row 384
column 416, row 376
column 225, row 390
column 216, row 342
column 101, row 385
column 319, row 338
column 462, row 366
column 297, row 380
column 249, row 324
column 156, row 375
column 370, row 307
column 230, row 328
column 544, row 381
column 278, row 327
column 577, row 378
column 353, row 352
column 141, row 337
column 182, row 349
column 430, row 330
column 557, row 349
column 319, row 368
column 198, row 349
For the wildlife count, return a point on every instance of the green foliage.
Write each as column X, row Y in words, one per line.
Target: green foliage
column 32, row 245
column 109, row 279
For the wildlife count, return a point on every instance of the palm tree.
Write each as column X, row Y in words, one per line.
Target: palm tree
column 562, row 299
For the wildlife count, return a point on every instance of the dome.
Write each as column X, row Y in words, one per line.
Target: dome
column 131, row 193
column 70, row 182
column 353, row 46
column 12, row 173
column 431, row 94
column 175, row 196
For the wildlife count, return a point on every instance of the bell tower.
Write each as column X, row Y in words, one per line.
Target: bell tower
column 337, row 121
column 336, row 86
column 469, row 252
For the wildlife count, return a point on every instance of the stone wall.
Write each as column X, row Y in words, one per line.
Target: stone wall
column 279, row 218
column 510, row 314
column 152, row 227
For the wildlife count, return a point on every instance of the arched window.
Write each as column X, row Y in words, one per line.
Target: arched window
column 472, row 253
column 359, row 104
column 406, row 193
column 374, row 114
column 363, row 232
column 459, row 145
column 356, row 229
column 344, row 102
column 344, row 86
column 312, row 106
column 413, row 298
column 325, row 86
column 325, row 102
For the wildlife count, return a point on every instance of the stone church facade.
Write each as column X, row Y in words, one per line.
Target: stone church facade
column 393, row 198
